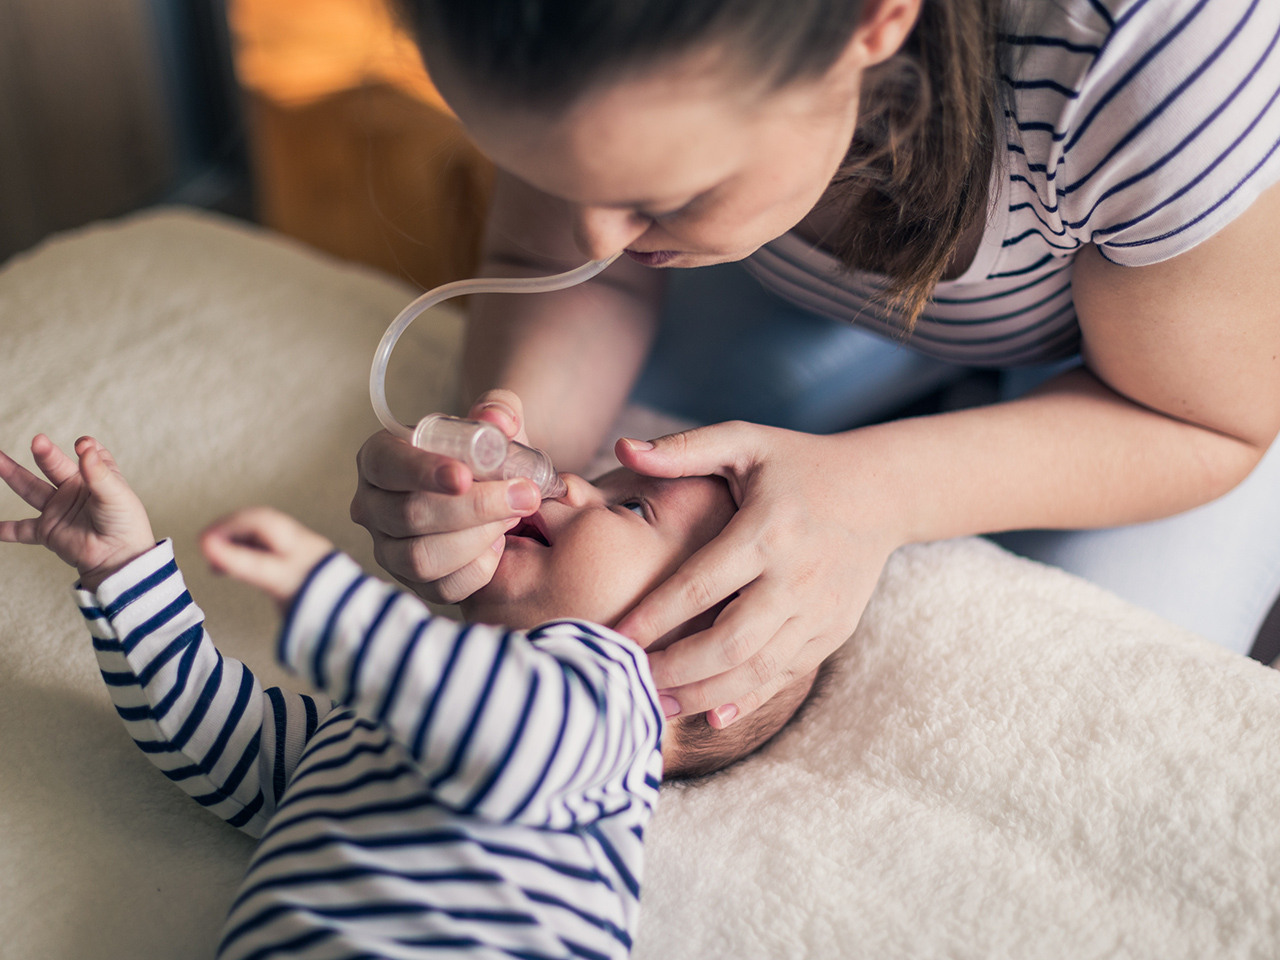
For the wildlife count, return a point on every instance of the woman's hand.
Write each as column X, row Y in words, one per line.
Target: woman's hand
column 803, row 554
column 435, row 529
column 89, row 516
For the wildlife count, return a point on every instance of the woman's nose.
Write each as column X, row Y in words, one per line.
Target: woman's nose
column 603, row 231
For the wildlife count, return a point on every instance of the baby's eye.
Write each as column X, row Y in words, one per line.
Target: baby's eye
column 635, row 506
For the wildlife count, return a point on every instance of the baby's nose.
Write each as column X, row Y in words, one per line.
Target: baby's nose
column 579, row 492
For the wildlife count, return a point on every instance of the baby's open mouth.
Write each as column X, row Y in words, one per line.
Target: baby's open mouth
column 531, row 528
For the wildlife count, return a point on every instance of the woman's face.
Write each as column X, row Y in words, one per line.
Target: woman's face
column 683, row 166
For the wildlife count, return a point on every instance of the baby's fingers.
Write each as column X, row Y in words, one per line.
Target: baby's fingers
column 106, row 464
column 53, row 463
column 24, row 483
column 269, row 531
column 20, row 531
column 266, row 549
column 100, row 471
column 251, row 565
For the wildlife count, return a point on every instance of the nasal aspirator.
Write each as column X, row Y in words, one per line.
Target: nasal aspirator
column 481, row 446
column 487, row 451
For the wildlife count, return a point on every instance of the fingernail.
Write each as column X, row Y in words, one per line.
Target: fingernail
column 670, row 706
column 498, row 545
column 637, row 444
column 523, row 496
column 726, row 714
column 499, row 407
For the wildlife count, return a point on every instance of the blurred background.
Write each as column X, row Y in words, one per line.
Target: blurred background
column 312, row 117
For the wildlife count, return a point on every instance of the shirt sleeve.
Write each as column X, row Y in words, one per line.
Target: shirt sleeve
column 1176, row 131
column 200, row 717
column 554, row 727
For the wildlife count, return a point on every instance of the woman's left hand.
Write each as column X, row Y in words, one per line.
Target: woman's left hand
column 803, row 553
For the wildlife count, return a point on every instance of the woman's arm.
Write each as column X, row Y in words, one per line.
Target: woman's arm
column 1180, row 401
column 572, row 355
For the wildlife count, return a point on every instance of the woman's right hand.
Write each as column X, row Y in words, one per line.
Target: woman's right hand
column 434, row 528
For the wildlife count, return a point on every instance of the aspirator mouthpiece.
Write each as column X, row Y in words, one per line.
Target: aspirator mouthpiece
column 487, row 452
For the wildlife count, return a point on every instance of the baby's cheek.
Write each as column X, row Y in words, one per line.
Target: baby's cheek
column 603, row 589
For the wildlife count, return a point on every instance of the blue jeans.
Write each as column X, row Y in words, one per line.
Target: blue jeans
column 728, row 349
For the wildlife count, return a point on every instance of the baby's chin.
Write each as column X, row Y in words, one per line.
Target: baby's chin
column 492, row 604
column 511, row 597
column 503, row 601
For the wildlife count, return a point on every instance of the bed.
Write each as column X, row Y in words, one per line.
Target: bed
column 1009, row 762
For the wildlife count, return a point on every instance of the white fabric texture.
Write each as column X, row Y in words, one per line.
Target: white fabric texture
column 1009, row 762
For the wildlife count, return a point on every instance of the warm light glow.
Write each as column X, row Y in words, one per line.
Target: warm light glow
column 296, row 52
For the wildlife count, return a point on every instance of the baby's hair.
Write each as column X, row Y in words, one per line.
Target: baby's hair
column 704, row 750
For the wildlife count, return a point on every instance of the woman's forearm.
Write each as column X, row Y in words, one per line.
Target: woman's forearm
column 1073, row 455
column 572, row 356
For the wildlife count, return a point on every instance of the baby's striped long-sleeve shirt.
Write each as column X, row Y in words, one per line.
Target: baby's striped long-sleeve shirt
column 468, row 791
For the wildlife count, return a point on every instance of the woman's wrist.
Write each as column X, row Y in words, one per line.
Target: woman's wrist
column 882, row 478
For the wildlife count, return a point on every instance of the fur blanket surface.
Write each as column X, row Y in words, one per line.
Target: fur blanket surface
column 1009, row 762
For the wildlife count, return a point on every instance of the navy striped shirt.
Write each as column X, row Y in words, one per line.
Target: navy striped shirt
column 469, row 790
column 1140, row 126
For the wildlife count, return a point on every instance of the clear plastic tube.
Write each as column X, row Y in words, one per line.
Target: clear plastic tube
column 524, row 461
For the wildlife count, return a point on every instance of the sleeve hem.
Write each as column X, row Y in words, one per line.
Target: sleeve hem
column 1146, row 251
column 137, row 570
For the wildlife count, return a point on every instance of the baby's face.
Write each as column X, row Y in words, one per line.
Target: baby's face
column 594, row 553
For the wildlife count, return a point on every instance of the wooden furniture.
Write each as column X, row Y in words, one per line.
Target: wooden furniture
column 353, row 150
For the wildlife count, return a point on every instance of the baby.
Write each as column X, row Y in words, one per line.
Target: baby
column 461, row 788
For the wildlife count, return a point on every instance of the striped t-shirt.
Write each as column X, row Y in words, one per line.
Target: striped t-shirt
column 469, row 790
column 1140, row 126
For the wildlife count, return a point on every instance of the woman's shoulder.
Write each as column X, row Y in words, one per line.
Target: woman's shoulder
column 1142, row 126
column 1099, row 19
column 1091, row 50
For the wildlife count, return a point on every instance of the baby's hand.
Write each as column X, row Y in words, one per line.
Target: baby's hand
column 89, row 517
column 265, row 549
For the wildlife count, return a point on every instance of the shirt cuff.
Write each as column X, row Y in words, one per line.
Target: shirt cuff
column 138, row 570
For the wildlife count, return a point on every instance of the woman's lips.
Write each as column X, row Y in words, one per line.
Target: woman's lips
column 653, row 258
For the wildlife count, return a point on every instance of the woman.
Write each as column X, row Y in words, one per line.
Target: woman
column 1012, row 186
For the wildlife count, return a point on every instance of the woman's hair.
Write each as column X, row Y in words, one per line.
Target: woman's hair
column 917, row 173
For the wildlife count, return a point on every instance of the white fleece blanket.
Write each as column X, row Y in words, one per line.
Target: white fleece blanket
column 1009, row 763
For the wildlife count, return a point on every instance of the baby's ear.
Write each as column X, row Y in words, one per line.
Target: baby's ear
column 702, row 621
